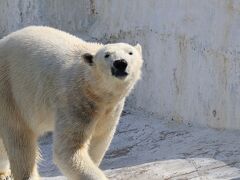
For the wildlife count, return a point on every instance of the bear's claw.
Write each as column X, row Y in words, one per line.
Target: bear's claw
column 6, row 177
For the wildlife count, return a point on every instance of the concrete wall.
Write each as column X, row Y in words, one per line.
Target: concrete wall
column 191, row 49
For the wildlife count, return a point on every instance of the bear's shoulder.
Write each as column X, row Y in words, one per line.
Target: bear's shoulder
column 47, row 38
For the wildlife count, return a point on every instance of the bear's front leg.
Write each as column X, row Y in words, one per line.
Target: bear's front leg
column 21, row 146
column 72, row 134
column 104, row 132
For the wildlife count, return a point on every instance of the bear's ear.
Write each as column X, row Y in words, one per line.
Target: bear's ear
column 88, row 58
column 139, row 48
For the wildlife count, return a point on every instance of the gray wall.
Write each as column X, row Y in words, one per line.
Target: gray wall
column 191, row 49
column 74, row 16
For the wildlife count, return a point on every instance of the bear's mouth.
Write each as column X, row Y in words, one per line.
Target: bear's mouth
column 118, row 73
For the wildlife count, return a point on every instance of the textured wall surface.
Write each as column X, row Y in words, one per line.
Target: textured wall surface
column 191, row 49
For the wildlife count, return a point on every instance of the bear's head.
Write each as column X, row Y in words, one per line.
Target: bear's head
column 114, row 69
column 119, row 62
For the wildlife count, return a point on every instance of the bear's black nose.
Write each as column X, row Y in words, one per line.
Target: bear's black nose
column 120, row 64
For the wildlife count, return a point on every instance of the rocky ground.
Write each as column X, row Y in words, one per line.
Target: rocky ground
column 147, row 148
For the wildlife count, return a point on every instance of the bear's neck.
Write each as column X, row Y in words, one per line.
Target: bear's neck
column 101, row 95
column 101, row 91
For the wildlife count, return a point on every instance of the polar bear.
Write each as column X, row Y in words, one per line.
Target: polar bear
column 51, row 80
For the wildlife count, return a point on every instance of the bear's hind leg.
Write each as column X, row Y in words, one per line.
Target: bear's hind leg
column 5, row 172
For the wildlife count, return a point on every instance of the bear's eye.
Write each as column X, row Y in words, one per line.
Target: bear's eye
column 107, row 55
column 130, row 53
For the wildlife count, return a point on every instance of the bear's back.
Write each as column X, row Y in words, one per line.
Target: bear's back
column 41, row 41
column 37, row 53
column 42, row 50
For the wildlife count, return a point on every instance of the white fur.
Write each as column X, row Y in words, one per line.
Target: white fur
column 46, row 84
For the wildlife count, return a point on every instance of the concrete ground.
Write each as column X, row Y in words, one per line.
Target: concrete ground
column 147, row 148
